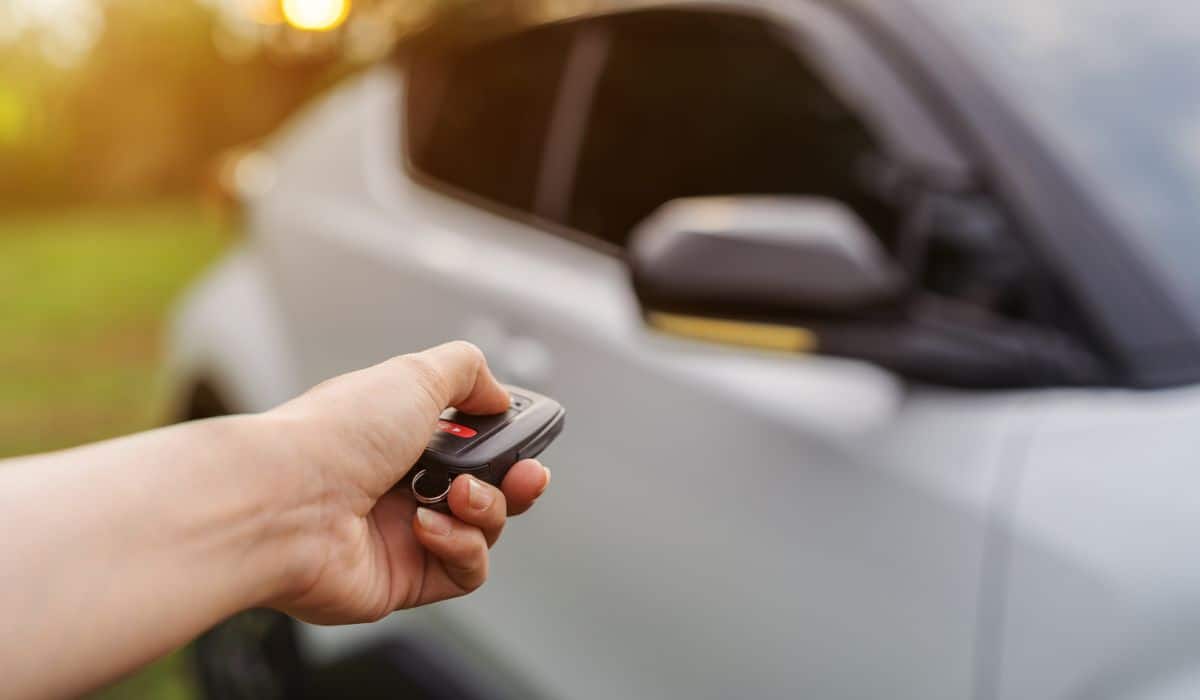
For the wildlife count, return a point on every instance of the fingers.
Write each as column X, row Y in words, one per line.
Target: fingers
column 458, row 544
column 461, row 552
column 480, row 504
column 525, row 482
column 486, row 507
column 456, row 374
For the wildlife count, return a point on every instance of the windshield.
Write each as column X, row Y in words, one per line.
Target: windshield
column 1114, row 89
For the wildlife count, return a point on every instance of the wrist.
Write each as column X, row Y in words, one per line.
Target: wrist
column 276, row 502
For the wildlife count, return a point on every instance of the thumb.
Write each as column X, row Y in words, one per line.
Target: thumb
column 387, row 413
column 422, row 385
column 455, row 374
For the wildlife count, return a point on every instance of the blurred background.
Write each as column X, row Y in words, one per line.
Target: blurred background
column 121, row 126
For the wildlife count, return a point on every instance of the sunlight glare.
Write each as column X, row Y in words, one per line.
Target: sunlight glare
column 316, row 15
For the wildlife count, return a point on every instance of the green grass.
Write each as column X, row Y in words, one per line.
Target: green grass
column 83, row 299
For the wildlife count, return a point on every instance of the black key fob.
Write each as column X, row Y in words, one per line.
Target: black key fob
column 484, row 446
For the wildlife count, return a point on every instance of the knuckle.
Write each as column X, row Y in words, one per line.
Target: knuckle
column 468, row 566
column 478, row 573
column 470, row 350
column 499, row 506
column 422, row 369
column 479, row 554
column 427, row 378
column 377, row 613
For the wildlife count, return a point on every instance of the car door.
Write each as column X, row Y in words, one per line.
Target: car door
column 723, row 522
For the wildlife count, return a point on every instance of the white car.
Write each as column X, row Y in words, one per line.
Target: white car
column 877, row 321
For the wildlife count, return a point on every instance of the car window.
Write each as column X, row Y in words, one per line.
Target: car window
column 477, row 115
column 593, row 124
column 693, row 103
column 589, row 125
column 696, row 103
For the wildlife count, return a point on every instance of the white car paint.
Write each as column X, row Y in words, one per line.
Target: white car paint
column 722, row 523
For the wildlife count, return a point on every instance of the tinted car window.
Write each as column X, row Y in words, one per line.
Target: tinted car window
column 478, row 115
column 713, row 104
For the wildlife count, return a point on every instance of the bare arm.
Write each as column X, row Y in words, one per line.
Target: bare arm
column 115, row 553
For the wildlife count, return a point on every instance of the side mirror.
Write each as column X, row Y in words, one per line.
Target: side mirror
column 700, row 263
column 760, row 254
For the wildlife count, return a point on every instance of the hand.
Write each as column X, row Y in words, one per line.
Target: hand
column 130, row 547
column 363, row 549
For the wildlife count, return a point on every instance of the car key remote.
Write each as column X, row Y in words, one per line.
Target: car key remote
column 484, row 446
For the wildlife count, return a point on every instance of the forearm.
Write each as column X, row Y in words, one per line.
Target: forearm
column 115, row 553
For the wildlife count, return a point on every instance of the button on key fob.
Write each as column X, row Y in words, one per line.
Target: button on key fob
column 484, row 446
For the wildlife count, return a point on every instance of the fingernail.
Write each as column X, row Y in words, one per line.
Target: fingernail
column 546, row 483
column 433, row 522
column 478, row 495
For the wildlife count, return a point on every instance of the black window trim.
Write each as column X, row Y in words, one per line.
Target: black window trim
column 569, row 121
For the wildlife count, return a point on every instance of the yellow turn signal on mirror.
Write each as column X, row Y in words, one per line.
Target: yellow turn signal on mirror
column 767, row 336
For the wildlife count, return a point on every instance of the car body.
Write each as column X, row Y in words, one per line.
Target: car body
column 728, row 521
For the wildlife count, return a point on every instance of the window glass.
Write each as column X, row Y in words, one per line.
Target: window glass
column 593, row 124
column 713, row 104
column 478, row 115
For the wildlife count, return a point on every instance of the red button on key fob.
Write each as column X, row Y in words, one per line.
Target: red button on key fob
column 455, row 429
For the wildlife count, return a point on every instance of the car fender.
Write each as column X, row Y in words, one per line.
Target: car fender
column 1097, row 550
column 229, row 333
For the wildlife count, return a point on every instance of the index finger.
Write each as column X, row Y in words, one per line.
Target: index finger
column 525, row 482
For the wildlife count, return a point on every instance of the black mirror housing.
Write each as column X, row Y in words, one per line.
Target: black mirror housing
column 766, row 254
column 700, row 263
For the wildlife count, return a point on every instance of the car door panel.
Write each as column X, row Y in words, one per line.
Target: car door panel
column 1101, row 537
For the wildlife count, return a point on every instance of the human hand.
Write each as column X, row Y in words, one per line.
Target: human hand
column 358, row 549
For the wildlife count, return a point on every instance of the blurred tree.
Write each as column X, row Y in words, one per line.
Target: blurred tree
column 146, row 111
column 142, row 102
column 160, row 102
